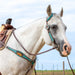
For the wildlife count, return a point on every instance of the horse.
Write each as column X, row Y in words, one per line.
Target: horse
column 50, row 31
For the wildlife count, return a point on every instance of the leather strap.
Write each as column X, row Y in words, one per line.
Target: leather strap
column 21, row 54
column 29, row 52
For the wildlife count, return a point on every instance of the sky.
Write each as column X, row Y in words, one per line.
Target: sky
column 25, row 11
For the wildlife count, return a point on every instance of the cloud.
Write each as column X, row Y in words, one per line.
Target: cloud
column 9, row 5
column 12, row 3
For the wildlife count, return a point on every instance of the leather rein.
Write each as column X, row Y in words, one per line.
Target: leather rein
column 29, row 52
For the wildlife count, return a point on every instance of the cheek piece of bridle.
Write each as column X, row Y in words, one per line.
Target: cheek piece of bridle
column 48, row 27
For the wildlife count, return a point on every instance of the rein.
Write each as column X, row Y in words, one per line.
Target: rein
column 20, row 54
column 29, row 52
column 70, row 66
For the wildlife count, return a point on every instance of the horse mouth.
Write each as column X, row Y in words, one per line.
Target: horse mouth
column 63, row 53
column 63, row 48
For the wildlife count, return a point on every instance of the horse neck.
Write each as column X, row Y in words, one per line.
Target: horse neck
column 31, row 36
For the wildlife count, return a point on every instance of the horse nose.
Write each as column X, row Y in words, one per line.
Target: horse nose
column 66, row 49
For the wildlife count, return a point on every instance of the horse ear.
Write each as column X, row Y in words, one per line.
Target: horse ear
column 61, row 13
column 49, row 10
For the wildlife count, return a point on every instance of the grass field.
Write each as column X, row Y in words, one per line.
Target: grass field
column 55, row 72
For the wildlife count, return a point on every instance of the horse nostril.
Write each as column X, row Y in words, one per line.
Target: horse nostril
column 65, row 47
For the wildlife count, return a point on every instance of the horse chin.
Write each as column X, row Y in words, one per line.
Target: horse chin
column 63, row 53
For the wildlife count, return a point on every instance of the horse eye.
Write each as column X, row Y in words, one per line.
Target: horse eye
column 54, row 27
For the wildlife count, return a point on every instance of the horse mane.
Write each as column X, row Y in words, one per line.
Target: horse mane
column 38, row 23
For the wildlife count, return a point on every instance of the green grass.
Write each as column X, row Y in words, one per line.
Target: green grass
column 53, row 72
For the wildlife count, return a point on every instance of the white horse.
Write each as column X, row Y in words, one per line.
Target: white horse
column 33, row 39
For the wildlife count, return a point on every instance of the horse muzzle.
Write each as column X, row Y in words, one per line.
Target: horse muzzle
column 64, row 48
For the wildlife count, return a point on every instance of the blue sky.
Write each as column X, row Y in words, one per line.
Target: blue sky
column 25, row 11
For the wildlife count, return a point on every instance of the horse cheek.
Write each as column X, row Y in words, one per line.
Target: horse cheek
column 46, row 37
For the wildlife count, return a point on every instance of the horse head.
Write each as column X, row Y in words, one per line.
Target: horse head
column 55, row 32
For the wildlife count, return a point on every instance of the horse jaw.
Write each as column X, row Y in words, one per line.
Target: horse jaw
column 46, row 37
